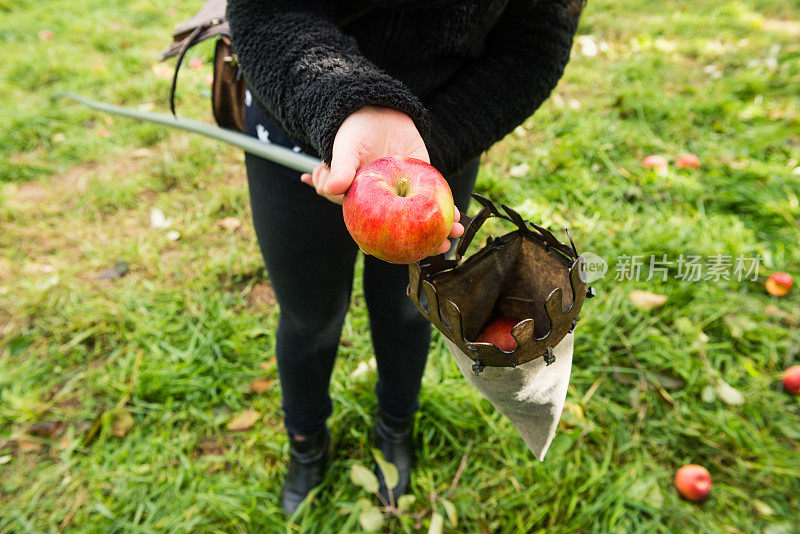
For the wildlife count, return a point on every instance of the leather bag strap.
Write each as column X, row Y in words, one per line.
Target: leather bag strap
column 188, row 42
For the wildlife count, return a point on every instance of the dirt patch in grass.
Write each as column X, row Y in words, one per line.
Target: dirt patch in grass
column 789, row 27
column 57, row 190
column 70, row 403
column 214, row 446
column 5, row 319
column 148, row 196
column 234, row 175
column 261, row 296
column 31, row 193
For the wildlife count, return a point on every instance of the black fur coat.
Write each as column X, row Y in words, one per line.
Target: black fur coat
column 466, row 72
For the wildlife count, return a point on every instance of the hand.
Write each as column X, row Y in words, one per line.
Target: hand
column 366, row 135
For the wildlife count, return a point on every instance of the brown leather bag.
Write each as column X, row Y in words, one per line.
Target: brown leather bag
column 228, row 86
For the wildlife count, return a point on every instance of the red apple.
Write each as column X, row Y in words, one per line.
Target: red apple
column 688, row 160
column 693, row 482
column 779, row 284
column 399, row 209
column 658, row 162
column 791, row 380
column 498, row 333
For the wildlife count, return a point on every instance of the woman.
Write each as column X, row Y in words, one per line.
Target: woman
column 351, row 81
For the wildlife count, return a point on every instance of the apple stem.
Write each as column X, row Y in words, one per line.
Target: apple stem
column 402, row 187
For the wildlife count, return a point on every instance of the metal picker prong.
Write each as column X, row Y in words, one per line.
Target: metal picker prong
column 549, row 357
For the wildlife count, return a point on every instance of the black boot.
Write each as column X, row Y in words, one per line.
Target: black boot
column 307, row 461
column 395, row 439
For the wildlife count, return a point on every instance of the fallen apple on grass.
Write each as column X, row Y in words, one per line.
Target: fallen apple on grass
column 659, row 163
column 399, row 209
column 687, row 160
column 693, row 482
column 498, row 333
column 779, row 284
column 791, row 380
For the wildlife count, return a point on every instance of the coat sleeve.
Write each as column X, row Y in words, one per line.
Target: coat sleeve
column 307, row 73
column 525, row 56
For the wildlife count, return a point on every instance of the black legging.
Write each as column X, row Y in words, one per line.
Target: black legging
column 310, row 257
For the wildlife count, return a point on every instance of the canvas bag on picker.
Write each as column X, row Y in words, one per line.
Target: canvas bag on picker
column 528, row 275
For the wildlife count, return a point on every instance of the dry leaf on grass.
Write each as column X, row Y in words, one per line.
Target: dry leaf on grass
column 784, row 316
column 261, row 296
column 729, row 394
column 364, row 368
column 667, row 380
column 25, row 445
column 644, row 300
column 121, row 423
column 708, row 395
column 268, row 365
column 763, row 508
column 518, row 171
column 162, row 71
column 119, row 270
column 211, row 447
column 229, row 223
column 260, row 385
column 46, row 429
column 158, row 220
column 141, row 153
column 572, row 416
column 244, row 420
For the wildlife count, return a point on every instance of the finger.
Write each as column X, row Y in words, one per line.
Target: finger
column 319, row 177
column 315, row 173
column 306, row 178
column 457, row 214
column 444, row 247
column 344, row 164
column 457, row 230
column 336, row 199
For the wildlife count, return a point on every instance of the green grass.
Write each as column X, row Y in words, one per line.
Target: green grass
column 176, row 342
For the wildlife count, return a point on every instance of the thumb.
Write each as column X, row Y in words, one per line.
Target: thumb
column 344, row 164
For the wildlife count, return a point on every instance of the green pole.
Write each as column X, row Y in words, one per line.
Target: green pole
column 272, row 152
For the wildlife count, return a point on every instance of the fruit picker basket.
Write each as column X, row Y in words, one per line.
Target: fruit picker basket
column 527, row 275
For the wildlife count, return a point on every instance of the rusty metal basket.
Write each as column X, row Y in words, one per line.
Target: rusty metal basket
column 526, row 274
